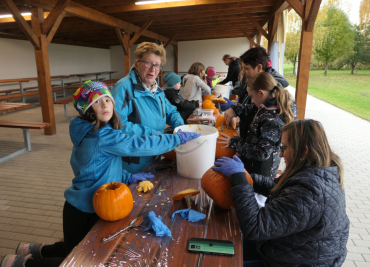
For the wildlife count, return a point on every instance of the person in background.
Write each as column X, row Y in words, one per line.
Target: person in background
column 195, row 82
column 141, row 103
column 260, row 150
column 241, row 85
column 254, row 61
column 98, row 145
column 211, row 77
column 233, row 70
column 304, row 221
column 172, row 92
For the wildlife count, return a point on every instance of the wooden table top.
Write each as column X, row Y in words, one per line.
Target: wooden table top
column 17, row 80
column 93, row 73
column 107, row 82
column 143, row 248
column 6, row 107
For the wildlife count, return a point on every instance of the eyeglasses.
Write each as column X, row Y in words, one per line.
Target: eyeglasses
column 282, row 148
column 149, row 65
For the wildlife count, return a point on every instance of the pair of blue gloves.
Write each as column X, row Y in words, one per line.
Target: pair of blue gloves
column 228, row 166
column 227, row 105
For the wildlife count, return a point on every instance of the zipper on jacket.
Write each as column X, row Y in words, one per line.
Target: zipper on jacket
column 162, row 107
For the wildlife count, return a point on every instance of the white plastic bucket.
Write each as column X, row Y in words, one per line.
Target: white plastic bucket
column 223, row 90
column 196, row 156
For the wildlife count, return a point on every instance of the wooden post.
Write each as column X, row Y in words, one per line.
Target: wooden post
column 304, row 58
column 43, row 71
column 126, row 39
column 176, row 50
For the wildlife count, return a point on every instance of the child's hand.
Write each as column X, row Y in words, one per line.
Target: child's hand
column 138, row 177
column 228, row 166
column 229, row 114
column 225, row 140
column 200, row 104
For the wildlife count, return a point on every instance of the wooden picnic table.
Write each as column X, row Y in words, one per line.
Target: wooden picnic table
column 143, row 248
column 96, row 74
column 6, row 107
column 107, row 82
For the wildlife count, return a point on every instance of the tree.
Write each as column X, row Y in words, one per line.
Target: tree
column 361, row 50
column 334, row 37
column 293, row 38
column 364, row 15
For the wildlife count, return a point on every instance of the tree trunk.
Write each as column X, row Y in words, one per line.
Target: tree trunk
column 353, row 68
column 294, row 68
column 326, row 69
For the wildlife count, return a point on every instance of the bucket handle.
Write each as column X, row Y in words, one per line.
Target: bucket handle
column 180, row 152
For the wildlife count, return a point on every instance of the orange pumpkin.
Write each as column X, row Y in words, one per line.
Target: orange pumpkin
column 170, row 155
column 220, row 120
column 208, row 97
column 208, row 104
column 113, row 201
column 225, row 152
column 218, row 187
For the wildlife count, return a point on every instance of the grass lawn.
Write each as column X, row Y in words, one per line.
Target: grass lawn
column 340, row 88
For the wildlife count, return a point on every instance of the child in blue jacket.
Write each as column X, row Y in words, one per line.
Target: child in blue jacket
column 98, row 145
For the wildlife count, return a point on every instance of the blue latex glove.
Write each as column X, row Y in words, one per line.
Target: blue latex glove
column 228, row 166
column 190, row 215
column 157, row 225
column 186, row 136
column 227, row 105
column 141, row 176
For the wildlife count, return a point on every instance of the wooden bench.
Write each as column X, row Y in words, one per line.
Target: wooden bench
column 65, row 102
column 25, row 126
column 7, row 97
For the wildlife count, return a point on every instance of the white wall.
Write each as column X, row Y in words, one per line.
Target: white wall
column 17, row 60
column 210, row 52
column 117, row 60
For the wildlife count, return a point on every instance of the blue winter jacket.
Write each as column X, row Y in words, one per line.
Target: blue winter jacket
column 142, row 113
column 96, row 158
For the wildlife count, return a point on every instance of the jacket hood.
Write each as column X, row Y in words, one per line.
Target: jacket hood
column 78, row 128
column 234, row 62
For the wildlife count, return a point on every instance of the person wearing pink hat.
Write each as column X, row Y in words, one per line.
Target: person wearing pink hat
column 211, row 78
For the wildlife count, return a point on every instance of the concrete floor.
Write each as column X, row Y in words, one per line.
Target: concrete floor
column 32, row 184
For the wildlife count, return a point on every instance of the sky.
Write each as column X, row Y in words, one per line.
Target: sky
column 354, row 7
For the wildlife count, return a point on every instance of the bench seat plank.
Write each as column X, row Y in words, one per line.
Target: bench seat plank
column 24, row 124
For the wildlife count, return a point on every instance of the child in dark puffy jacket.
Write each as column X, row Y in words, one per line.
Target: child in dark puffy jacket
column 172, row 92
column 260, row 150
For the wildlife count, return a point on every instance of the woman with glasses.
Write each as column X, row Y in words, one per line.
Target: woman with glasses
column 141, row 104
column 260, row 150
column 304, row 221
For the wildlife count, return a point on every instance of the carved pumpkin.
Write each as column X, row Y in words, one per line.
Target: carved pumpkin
column 225, row 152
column 220, row 120
column 208, row 97
column 170, row 155
column 208, row 104
column 218, row 187
column 113, row 201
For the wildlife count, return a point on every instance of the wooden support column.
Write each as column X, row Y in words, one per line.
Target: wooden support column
column 252, row 42
column 176, row 49
column 259, row 39
column 126, row 39
column 304, row 58
column 43, row 71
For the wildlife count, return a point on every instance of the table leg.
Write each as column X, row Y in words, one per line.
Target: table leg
column 22, row 91
column 66, row 110
column 97, row 77
column 64, row 92
column 110, row 76
column 79, row 77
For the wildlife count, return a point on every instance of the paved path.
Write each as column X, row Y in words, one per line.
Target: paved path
column 32, row 184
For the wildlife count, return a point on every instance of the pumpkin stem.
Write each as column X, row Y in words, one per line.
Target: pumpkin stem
column 222, row 128
column 188, row 201
column 112, row 186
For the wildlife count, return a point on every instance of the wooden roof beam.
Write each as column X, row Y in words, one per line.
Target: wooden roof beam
column 248, row 37
column 313, row 14
column 54, row 15
column 55, row 27
column 22, row 23
column 93, row 15
column 297, row 6
column 140, row 32
column 169, row 41
column 123, row 43
column 258, row 27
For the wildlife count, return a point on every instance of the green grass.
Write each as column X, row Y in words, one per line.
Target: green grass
column 340, row 88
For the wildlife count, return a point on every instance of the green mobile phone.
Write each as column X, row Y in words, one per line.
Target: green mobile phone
column 211, row 246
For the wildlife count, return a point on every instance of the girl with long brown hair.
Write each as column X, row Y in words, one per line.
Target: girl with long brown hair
column 259, row 151
column 195, row 81
column 304, row 221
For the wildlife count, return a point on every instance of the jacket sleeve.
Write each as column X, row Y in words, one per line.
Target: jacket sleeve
column 294, row 210
column 262, row 149
column 281, row 81
column 228, row 76
column 173, row 117
column 182, row 103
column 262, row 184
column 123, row 106
column 115, row 143
column 201, row 84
